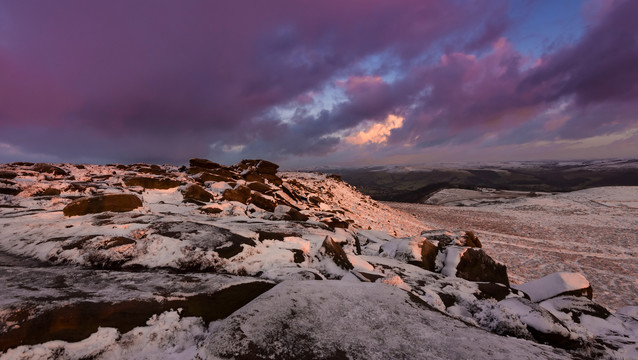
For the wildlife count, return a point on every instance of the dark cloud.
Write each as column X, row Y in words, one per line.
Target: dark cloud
column 132, row 81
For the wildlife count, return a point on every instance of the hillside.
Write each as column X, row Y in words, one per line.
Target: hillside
column 246, row 262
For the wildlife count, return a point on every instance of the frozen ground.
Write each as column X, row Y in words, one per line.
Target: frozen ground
column 592, row 231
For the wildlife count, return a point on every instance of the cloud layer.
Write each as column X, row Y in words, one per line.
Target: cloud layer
column 304, row 81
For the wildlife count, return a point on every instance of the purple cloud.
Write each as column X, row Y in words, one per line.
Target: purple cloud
column 129, row 81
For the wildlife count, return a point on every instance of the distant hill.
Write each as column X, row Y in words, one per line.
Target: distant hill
column 417, row 184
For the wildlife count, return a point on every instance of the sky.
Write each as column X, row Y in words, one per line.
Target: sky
column 318, row 83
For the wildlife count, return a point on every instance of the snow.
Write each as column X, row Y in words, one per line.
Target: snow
column 453, row 256
column 553, row 285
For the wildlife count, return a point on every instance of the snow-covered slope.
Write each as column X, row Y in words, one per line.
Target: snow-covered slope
column 88, row 254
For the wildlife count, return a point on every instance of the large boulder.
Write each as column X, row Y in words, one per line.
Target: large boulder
column 196, row 192
column 152, row 182
column 267, row 167
column 49, row 169
column 557, row 284
column 240, row 194
column 265, row 202
column 476, row 265
column 204, row 163
column 284, row 212
column 102, row 203
column 5, row 174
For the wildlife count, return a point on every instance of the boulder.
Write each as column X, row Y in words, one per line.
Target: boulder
column 4, row 174
column 47, row 192
column 196, row 192
column 9, row 188
column 49, row 169
column 283, row 212
column 542, row 324
column 334, row 250
column 102, row 203
column 428, row 255
column 203, row 163
column 205, row 176
column 476, row 265
column 557, row 284
column 263, row 201
column 267, row 167
column 471, row 240
column 152, row 182
column 259, row 187
column 240, row 194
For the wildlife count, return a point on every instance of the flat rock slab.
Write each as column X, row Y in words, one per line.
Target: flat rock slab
column 102, row 203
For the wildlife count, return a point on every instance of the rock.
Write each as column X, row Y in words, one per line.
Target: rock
column 152, row 182
column 259, row 187
column 428, row 255
column 542, row 324
column 203, row 163
column 49, row 169
column 117, row 241
column 267, row 167
column 284, row 212
column 102, row 203
column 263, row 201
column 22, row 163
column 240, row 194
column 4, row 174
column 476, row 265
column 203, row 177
column 496, row 291
column 575, row 307
column 471, row 240
column 211, row 210
column 153, row 169
column 9, row 188
column 47, row 192
column 333, row 222
column 224, row 173
column 557, row 284
column 334, row 250
column 196, row 192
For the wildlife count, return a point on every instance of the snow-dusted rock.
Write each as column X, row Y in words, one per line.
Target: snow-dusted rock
column 561, row 283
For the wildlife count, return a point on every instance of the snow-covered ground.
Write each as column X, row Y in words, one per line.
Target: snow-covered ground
column 593, row 231
column 243, row 262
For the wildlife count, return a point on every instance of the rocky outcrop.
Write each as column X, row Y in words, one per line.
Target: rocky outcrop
column 102, row 203
column 152, row 182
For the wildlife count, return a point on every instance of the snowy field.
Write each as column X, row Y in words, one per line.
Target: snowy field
column 593, row 231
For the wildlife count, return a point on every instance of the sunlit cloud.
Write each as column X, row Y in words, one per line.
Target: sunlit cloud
column 377, row 133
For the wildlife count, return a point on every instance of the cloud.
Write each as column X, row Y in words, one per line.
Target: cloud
column 131, row 82
column 377, row 133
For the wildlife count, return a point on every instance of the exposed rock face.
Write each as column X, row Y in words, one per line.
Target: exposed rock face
column 476, row 265
column 102, row 203
column 196, row 192
column 152, row 182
